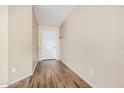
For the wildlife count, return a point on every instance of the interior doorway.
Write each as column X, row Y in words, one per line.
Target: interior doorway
column 49, row 42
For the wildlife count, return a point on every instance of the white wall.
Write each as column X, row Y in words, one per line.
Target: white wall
column 40, row 29
column 34, row 41
column 93, row 44
column 20, row 41
column 3, row 45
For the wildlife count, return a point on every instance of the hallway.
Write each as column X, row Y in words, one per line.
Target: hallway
column 51, row 74
column 87, row 40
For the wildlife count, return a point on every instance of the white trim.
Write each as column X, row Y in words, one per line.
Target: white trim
column 20, row 78
column 87, row 81
column 4, row 85
column 49, row 27
column 80, row 76
column 35, row 67
column 8, row 84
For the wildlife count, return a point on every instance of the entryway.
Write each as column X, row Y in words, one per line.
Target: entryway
column 48, row 44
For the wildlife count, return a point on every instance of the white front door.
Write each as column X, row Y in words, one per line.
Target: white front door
column 49, row 44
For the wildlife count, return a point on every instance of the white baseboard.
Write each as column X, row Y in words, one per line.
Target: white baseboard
column 20, row 79
column 80, row 76
column 4, row 85
column 8, row 84
column 35, row 66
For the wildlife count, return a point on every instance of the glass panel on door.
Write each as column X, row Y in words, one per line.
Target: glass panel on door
column 49, row 44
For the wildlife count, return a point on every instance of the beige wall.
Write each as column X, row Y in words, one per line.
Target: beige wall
column 3, row 45
column 34, row 41
column 20, row 41
column 40, row 44
column 93, row 44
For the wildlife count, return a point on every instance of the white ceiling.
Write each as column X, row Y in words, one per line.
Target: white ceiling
column 52, row 15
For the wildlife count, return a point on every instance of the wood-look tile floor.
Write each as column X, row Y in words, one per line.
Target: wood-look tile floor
column 52, row 74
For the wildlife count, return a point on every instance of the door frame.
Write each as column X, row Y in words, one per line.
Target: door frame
column 40, row 47
column 49, row 52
